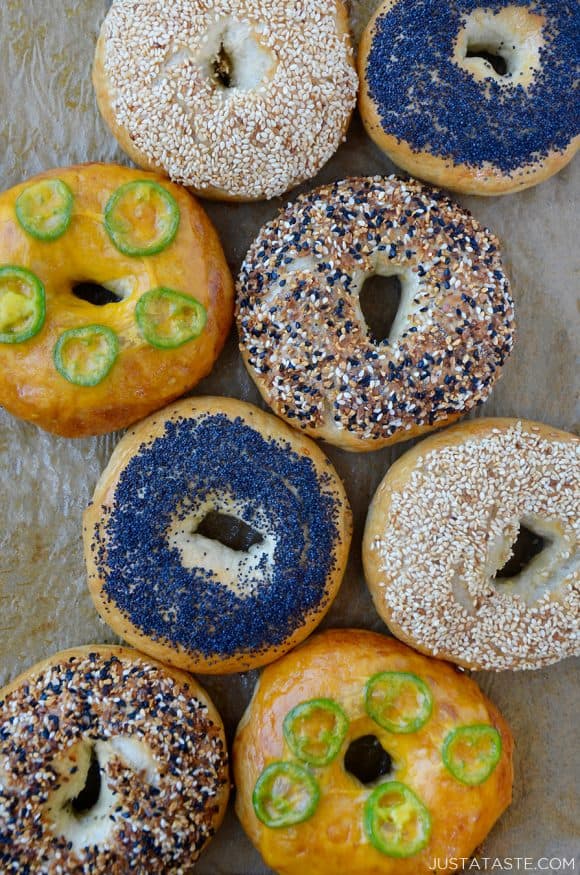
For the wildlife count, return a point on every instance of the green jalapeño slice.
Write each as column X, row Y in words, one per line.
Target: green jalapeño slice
column 84, row 356
column 315, row 731
column 471, row 753
column 22, row 304
column 168, row 319
column 141, row 218
column 285, row 794
column 398, row 701
column 44, row 209
column 396, row 821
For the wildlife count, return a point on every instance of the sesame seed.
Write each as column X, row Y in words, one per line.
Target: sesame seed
column 252, row 144
column 449, row 528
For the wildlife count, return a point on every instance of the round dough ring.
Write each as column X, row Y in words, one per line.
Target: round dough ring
column 336, row 664
column 512, row 24
column 130, row 715
column 303, row 335
column 143, row 377
column 443, row 522
column 202, row 605
column 277, row 124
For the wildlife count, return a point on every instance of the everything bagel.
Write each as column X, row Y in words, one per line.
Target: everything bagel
column 303, row 335
column 109, row 763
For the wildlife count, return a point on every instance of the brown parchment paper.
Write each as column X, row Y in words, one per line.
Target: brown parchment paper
column 48, row 117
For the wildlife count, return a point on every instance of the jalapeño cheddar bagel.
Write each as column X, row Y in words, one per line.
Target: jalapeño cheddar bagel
column 115, row 297
column 358, row 755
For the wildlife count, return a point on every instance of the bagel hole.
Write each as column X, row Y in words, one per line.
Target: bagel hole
column 367, row 760
column 95, row 294
column 89, row 795
column 491, row 55
column 380, row 299
column 234, row 58
column 229, row 531
column 223, row 67
column 527, row 546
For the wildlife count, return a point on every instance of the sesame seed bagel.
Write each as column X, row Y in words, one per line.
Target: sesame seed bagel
column 237, row 99
column 303, row 335
column 361, row 733
column 217, row 537
column 115, row 297
column 476, row 97
column 109, row 763
column 445, row 552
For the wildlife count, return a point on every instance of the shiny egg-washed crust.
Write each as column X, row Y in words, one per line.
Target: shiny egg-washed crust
column 430, row 571
column 485, row 180
column 143, row 377
column 303, row 335
column 69, row 700
column 254, row 151
column 103, row 504
column 337, row 664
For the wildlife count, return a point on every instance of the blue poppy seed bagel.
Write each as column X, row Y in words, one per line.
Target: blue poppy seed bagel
column 479, row 97
column 188, row 595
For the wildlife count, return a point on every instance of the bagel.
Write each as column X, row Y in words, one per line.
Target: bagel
column 239, row 100
column 115, row 297
column 109, row 762
column 303, row 335
column 217, row 537
column 442, row 528
column 358, row 755
column 478, row 98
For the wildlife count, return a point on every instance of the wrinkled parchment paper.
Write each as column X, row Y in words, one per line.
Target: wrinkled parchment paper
column 48, row 117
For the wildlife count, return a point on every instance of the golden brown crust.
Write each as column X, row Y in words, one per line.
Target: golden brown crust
column 143, row 378
column 271, row 429
column 487, row 180
column 380, row 513
column 105, row 98
column 105, row 95
column 337, row 664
